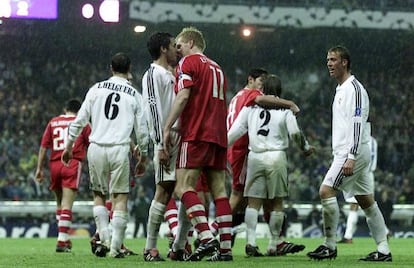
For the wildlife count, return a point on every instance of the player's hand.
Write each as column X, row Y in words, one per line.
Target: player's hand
column 137, row 154
column 294, row 108
column 39, row 175
column 167, row 141
column 310, row 151
column 348, row 167
column 164, row 159
column 66, row 157
column 141, row 167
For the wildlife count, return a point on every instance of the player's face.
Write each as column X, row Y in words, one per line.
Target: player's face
column 172, row 56
column 258, row 83
column 336, row 65
column 183, row 47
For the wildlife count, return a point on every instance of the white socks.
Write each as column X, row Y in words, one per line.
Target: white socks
column 155, row 218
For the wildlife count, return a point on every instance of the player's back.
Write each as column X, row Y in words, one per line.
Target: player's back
column 114, row 104
column 55, row 135
column 269, row 129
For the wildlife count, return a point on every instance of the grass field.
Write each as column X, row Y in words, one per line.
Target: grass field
column 40, row 253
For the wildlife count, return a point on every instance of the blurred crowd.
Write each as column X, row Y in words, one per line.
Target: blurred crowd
column 32, row 92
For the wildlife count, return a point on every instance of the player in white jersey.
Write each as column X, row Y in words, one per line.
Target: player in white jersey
column 114, row 109
column 269, row 131
column 352, row 218
column 349, row 171
column 158, row 94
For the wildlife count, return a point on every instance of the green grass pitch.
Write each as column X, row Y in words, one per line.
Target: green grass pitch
column 41, row 253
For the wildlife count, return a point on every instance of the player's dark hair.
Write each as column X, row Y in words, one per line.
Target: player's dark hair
column 73, row 105
column 272, row 85
column 156, row 42
column 120, row 63
column 255, row 73
column 343, row 53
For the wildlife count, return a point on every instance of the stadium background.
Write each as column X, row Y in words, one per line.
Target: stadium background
column 45, row 62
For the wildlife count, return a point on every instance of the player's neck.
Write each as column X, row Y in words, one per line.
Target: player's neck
column 162, row 62
column 343, row 78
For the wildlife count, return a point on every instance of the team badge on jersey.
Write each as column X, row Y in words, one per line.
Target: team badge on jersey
column 358, row 111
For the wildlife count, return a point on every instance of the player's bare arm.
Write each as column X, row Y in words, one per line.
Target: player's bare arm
column 270, row 101
column 40, row 163
column 178, row 106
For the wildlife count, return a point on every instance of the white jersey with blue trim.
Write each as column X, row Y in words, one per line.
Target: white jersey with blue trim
column 115, row 109
column 350, row 110
column 158, row 94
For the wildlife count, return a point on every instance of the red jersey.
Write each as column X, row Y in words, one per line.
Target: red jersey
column 56, row 133
column 204, row 116
column 244, row 97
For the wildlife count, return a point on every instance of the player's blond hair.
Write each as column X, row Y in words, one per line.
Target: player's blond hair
column 192, row 33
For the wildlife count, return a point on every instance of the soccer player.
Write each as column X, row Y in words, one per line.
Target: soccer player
column 115, row 109
column 158, row 94
column 200, row 106
column 349, row 171
column 250, row 95
column 64, row 180
column 269, row 131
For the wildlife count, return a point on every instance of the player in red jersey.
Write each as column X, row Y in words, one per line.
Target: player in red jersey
column 200, row 105
column 64, row 180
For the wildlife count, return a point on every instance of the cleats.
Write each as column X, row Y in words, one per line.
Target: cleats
column 117, row 255
column 179, row 255
column 64, row 247
column 101, row 250
column 345, row 241
column 127, row 251
column 322, row 252
column 377, row 256
column 204, row 249
column 221, row 257
column 287, row 247
column 253, row 251
column 152, row 255
column 95, row 238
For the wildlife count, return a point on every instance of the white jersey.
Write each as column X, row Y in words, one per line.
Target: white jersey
column 268, row 129
column 350, row 110
column 115, row 109
column 158, row 94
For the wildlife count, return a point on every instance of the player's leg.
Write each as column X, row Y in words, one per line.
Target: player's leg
column 251, row 219
column 216, row 179
column 377, row 226
column 330, row 211
column 351, row 221
column 119, row 223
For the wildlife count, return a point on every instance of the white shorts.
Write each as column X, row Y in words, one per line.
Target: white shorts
column 160, row 173
column 109, row 168
column 357, row 184
column 352, row 199
column 266, row 175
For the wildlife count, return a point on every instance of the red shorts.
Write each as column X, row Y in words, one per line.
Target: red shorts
column 200, row 154
column 65, row 177
column 201, row 185
column 238, row 162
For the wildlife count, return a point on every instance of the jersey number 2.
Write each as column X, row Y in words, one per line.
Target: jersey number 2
column 264, row 129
